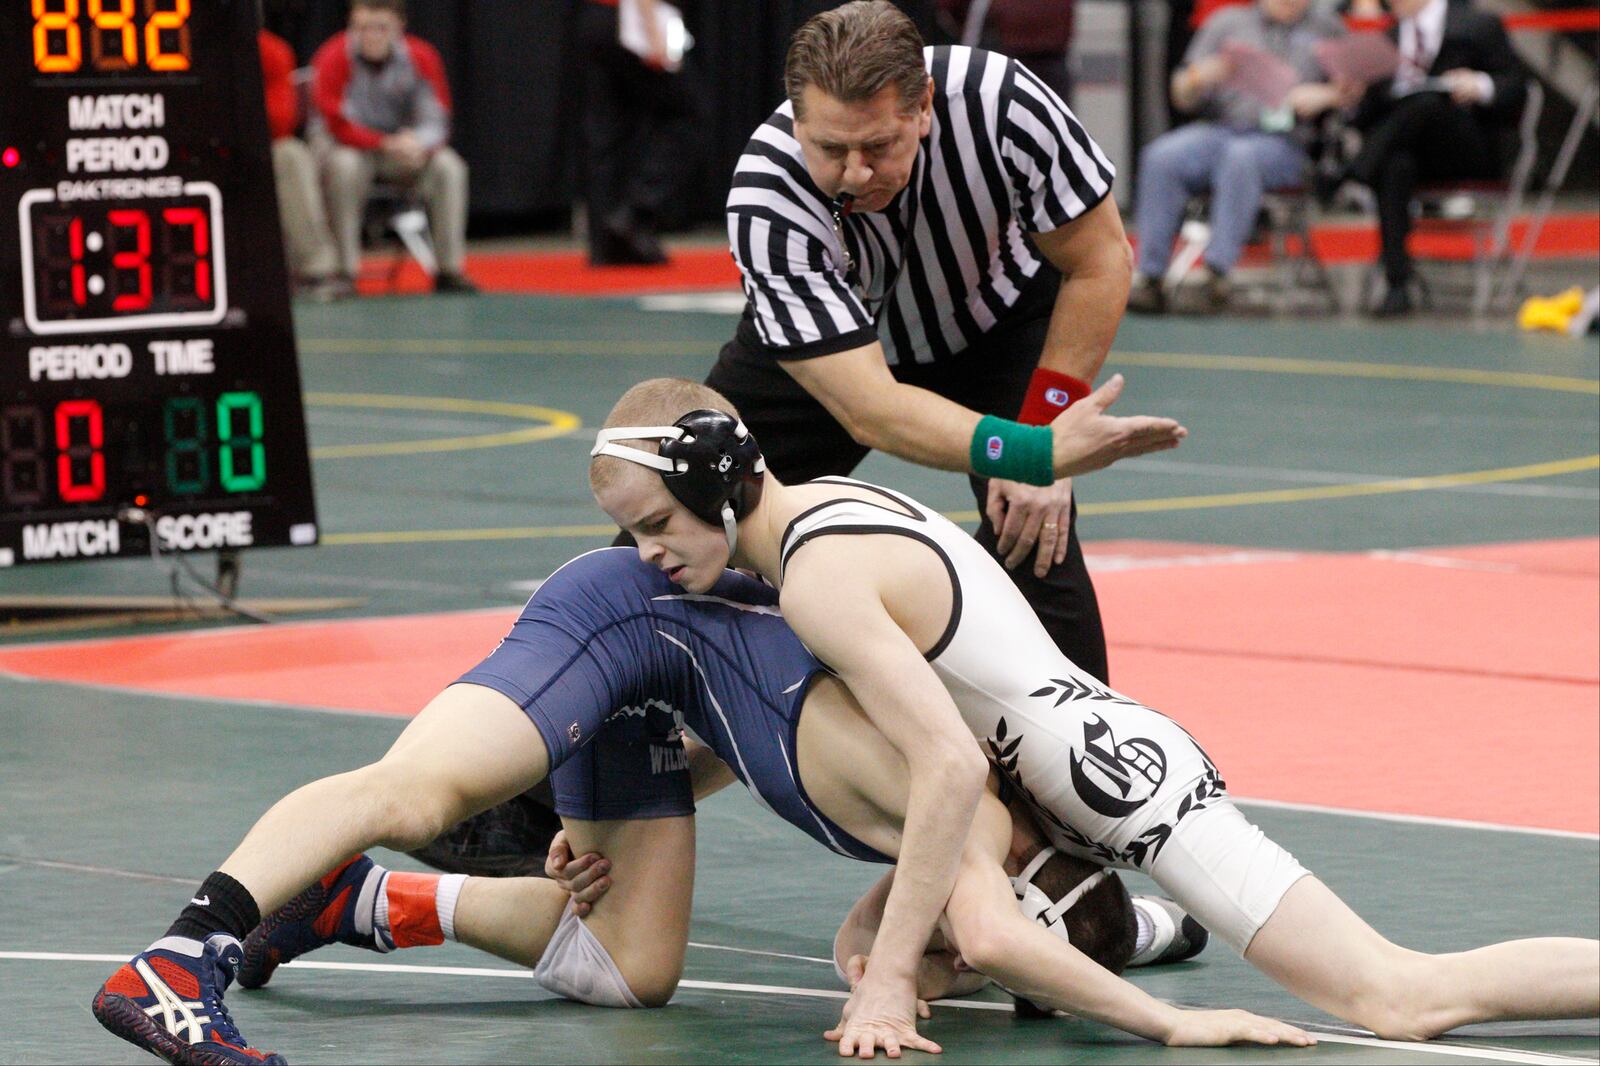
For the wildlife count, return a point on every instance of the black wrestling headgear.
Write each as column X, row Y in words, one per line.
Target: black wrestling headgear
column 708, row 461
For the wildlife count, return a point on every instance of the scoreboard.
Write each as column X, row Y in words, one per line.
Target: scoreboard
column 147, row 356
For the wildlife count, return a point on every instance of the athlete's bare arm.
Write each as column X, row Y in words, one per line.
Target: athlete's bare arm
column 944, row 973
column 841, row 594
column 938, row 977
column 996, row 939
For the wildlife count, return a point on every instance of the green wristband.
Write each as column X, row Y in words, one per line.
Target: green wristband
column 1013, row 451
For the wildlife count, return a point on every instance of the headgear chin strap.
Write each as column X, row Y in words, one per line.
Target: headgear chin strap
column 1037, row 906
column 708, row 460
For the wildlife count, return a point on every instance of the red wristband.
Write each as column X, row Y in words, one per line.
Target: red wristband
column 1049, row 393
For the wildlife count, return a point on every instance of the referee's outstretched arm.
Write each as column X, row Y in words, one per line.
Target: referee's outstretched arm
column 859, row 390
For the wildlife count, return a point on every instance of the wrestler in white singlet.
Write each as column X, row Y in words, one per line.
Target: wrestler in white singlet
column 1108, row 778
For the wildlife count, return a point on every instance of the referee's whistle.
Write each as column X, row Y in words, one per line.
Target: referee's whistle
column 842, row 203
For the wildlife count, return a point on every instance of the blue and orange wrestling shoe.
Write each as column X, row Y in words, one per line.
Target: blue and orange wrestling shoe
column 168, row 1000
column 326, row 913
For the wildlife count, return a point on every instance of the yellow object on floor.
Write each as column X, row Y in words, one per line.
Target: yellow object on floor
column 1551, row 312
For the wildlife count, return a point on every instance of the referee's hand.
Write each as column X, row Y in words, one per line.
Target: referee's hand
column 1030, row 519
column 1087, row 438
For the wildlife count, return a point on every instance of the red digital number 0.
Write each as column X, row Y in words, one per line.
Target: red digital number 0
column 137, row 258
column 72, row 490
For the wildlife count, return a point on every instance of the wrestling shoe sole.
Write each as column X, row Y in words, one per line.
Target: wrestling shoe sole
column 260, row 958
column 124, row 1018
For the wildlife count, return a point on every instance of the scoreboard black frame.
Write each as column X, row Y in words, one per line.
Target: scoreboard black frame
column 149, row 383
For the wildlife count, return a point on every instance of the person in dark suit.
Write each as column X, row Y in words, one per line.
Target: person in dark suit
column 1442, row 117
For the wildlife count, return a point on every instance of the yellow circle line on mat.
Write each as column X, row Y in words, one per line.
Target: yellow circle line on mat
column 551, row 423
column 1330, row 492
column 1175, row 360
column 430, row 346
column 1175, row 503
column 1338, row 368
column 1262, row 364
column 439, row 536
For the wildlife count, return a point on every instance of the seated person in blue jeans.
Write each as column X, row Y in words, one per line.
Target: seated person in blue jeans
column 1238, row 148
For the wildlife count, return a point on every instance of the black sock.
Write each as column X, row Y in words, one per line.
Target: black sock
column 222, row 905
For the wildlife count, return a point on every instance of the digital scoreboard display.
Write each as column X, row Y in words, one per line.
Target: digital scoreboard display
column 147, row 357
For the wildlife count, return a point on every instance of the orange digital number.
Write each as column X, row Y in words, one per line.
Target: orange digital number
column 113, row 16
column 49, row 60
column 174, row 22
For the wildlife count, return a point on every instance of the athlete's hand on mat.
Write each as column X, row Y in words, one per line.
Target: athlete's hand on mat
column 1215, row 1028
column 880, row 1013
column 584, row 878
column 1086, row 438
column 855, row 968
column 1030, row 517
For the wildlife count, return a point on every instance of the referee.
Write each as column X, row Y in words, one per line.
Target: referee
column 926, row 239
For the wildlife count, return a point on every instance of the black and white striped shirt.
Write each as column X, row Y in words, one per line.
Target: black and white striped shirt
column 1004, row 155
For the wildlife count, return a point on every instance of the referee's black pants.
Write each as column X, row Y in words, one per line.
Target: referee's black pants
column 801, row 441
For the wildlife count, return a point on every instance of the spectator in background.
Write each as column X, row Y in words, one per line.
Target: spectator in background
column 634, row 110
column 1038, row 33
column 1238, row 149
column 384, row 106
column 1184, row 19
column 308, row 244
column 1441, row 118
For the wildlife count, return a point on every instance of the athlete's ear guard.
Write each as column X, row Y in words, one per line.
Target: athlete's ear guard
column 1036, row 904
column 709, row 462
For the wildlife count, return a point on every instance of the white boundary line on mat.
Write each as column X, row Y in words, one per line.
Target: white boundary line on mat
column 1533, row 1058
column 1418, row 819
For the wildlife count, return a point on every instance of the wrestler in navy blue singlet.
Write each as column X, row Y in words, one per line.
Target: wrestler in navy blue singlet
column 612, row 663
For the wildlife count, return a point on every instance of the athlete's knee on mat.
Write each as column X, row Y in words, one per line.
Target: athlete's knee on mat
column 1397, row 997
column 578, row 966
column 653, row 985
column 651, row 971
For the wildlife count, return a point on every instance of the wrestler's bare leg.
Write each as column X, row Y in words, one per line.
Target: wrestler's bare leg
column 469, row 749
column 1322, row 951
column 643, row 920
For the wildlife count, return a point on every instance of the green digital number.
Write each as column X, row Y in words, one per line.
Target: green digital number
column 251, row 473
column 188, row 462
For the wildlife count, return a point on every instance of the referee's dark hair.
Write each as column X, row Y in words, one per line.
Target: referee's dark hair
column 855, row 51
column 397, row 6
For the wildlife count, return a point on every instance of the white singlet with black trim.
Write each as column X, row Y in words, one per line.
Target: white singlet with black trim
column 1107, row 777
